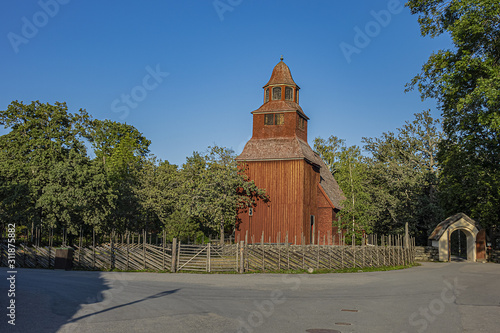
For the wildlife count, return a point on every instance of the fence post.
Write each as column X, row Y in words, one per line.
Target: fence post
column 144, row 247
column 51, row 239
column 237, row 263
column 364, row 255
column 317, row 261
column 329, row 254
column 93, row 248
column 80, row 241
column 128, row 241
column 398, row 249
column 287, row 252
column 279, row 250
column 377, row 250
column 303, row 254
column 163, row 246
column 354, row 252
column 242, row 259
column 343, row 251
column 174, row 256
column 208, row 257
column 111, row 251
column 263, row 251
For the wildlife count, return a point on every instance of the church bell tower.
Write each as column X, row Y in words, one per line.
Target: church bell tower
column 279, row 159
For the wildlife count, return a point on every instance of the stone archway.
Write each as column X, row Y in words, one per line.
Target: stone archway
column 440, row 237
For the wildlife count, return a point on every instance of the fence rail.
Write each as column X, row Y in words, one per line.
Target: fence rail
column 303, row 257
column 241, row 257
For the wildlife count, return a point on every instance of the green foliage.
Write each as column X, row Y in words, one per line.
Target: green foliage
column 157, row 191
column 465, row 82
column 44, row 143
column 215, row 188
column 106, row 135
column 349, row 168
column 47, row 178
column 398, row 183
column 404, row 177
column 182, row 226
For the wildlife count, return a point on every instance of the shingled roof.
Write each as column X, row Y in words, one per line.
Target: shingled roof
column 281, row 75
column 441, row 227
column 330, row 185
column 280, row 106
column 293, row 149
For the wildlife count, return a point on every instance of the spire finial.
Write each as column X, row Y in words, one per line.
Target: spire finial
column 281, row 58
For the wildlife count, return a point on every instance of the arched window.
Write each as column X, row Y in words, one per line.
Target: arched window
column 276, row 93
column 288, row 93
column 267, row 96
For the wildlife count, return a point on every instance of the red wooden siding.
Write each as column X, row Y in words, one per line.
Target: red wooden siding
column 289, row 129
column 326, row 219
column 286, row 183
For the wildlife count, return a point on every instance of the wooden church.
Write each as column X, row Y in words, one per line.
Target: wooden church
column 304, row 196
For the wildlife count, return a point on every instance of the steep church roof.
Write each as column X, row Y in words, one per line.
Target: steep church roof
column 293, row 149
column 281, row 75
column 330, row 185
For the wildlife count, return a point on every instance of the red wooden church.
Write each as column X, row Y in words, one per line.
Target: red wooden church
column 304, row 196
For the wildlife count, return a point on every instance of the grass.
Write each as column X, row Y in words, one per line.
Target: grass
column 344, row 270
column 283, row 271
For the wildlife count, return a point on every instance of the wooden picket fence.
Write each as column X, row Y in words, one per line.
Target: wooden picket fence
column 241, row 257
column 304, row 257
column 103, row 257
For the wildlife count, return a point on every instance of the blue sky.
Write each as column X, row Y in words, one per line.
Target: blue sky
column 193, row 70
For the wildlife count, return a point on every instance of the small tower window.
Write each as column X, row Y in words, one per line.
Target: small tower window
column 279, row 119
column 302, row 123
column 269, row 119
column 276, row 93
column 296, row 95
column 274, row 119
column 267, row 96
column 288, row 93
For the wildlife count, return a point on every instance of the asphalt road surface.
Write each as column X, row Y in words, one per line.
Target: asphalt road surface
column 435, row 297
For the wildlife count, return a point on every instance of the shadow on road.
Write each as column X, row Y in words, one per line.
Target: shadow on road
column 46, row 299
column 158, row 295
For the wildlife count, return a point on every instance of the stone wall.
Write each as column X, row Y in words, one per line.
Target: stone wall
column 494, row 256
column 426, row 253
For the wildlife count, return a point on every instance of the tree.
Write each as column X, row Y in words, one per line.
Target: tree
column 404, row 177
column 349, row 168
column 182, row 226
column 121, row 150
column 106, row 135
column 43, row 139
column 157, row 192
column 465, row 82
column 215, row 188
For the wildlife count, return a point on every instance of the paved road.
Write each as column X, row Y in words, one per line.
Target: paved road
column 436, row 297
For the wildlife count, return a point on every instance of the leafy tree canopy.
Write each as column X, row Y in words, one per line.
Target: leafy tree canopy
column 215, row 188
column 465, row 81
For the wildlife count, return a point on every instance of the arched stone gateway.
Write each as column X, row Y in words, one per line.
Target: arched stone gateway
column 476, row 240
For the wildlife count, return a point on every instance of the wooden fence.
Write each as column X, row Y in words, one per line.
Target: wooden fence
column 241, row 257
column 304, row 257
